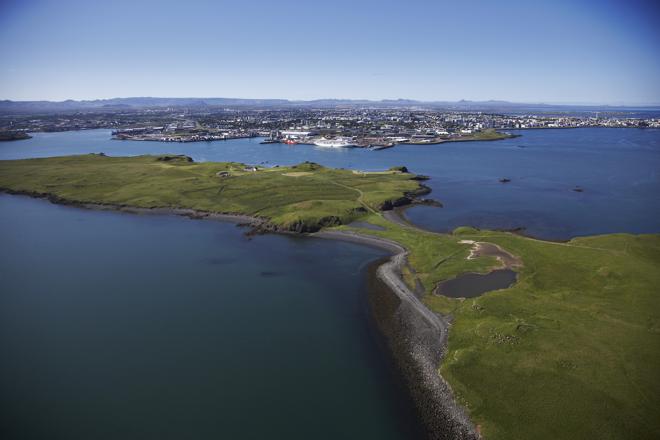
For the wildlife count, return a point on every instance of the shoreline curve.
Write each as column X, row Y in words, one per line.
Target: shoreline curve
column 416, row 336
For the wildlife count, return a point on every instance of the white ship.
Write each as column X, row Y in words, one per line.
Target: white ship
column 334, row 143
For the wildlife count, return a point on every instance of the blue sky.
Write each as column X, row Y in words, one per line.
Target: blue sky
column 579, row 51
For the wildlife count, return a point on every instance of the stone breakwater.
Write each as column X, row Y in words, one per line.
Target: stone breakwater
column 417, row 338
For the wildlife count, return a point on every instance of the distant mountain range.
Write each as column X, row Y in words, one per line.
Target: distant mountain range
column 117, row 104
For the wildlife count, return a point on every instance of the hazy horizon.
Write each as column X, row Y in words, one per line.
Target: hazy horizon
column 562, row 53
column 376, row 100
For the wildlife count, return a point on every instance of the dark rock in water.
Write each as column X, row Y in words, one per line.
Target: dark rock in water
column 521, row 146
column 505, row 180
column 578, row 189
column 429, row 202
column 388, row 205
column 422, row 190
column 420, row 177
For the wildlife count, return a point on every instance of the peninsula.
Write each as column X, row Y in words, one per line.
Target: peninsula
column 13, row 135
column 582, row 315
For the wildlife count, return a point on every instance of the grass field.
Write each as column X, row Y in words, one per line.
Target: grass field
column 305, row 196
column 571, row 351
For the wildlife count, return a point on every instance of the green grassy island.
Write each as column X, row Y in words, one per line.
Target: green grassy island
column 301, row 198
column 570, row 351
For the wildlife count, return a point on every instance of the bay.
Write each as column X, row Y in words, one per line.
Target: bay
column 130, row 326
column 618, row 171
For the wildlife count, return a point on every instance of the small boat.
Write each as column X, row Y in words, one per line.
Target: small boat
column 290, row 142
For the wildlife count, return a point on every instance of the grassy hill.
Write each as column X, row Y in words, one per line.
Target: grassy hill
column 303, row 197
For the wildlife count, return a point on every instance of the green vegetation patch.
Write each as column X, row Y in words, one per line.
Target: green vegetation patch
column 570, row 351
column 316, row 197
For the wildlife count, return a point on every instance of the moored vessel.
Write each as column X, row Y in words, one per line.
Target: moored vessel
column 334, row 143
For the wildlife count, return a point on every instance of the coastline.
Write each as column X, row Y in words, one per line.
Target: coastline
column 193, row 214
column 416, row 336
column 417, row 339
column 398, row 215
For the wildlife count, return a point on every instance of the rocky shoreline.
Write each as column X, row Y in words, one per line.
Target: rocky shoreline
column 184, row 212
column 257, row 225
column 417, row 338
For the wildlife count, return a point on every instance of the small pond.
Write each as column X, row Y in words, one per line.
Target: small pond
column 471, row 285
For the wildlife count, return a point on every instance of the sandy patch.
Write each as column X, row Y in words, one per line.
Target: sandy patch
column 507, row 261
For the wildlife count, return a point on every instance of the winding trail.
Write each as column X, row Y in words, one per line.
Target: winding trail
column 360, row 195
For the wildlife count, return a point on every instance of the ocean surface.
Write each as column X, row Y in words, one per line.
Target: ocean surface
column 122, row 326
column 136, row 326
column 617, row 169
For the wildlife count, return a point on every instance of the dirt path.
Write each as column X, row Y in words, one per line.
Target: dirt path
column 360, row 195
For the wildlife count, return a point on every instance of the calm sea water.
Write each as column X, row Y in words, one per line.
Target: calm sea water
column 618, row 169
column 123, row 326
column 119, row 326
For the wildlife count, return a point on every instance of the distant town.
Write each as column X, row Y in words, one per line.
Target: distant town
column 327, row 127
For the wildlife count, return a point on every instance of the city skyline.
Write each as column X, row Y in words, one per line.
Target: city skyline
column 589, row 53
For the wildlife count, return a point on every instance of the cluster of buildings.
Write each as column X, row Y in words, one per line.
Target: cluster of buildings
column 361, row 126
column 181, row 131
column 534, row 121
